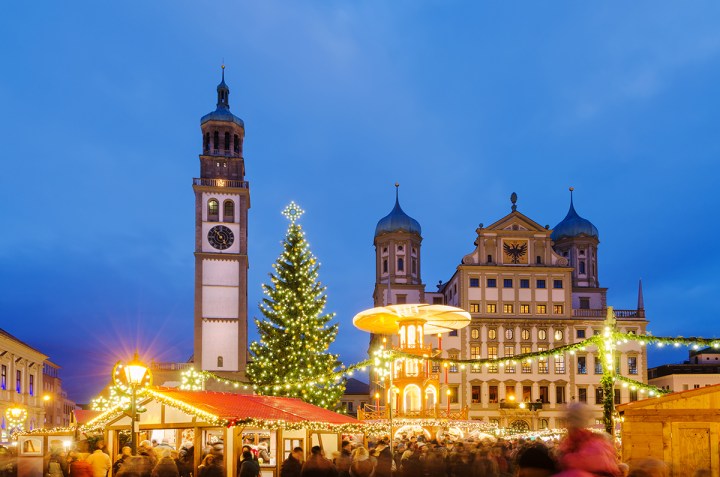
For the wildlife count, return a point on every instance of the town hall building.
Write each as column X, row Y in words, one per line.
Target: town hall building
column 528, row 288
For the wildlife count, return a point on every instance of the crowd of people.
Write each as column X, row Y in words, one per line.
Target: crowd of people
column 580, row 453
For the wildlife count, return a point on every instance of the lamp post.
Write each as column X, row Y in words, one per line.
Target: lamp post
column 449, row 393
column 134, row 373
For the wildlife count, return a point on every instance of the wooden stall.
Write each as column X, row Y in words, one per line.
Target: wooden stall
column 223, row 422
column 681, row 429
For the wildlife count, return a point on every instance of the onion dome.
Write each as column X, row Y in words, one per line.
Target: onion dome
column 222, row 113
column 573, row 225
column 397, row 220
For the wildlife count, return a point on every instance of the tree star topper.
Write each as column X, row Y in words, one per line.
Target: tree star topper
column 292, row 212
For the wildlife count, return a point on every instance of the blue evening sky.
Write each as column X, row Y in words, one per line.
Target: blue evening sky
column 463, row 103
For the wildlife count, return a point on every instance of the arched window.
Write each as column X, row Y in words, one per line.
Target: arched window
column 543, row 424
column 206, row 143
column 236, row 143
column 542, row 334
column 385, row 266
column 401, row 265
column 412, row 398
column 508, row 334
column 213, row 209
column 582, row 267
column 220, row 362
column 525, row 334
column 227, row 141
column 216, row 141
column 558, row 335
column 475, row 333
column 229, row 211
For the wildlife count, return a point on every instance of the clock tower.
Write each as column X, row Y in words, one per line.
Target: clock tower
column 222, row 200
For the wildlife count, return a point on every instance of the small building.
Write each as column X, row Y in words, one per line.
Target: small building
column 355, row 396
column 681, row 429
column 702, row 369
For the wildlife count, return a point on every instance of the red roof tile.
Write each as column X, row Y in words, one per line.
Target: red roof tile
column 236, row 407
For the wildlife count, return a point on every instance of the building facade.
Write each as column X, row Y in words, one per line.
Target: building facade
column 21, row 384
column 222, row 200
column 528, row 288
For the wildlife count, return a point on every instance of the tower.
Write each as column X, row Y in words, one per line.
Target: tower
column 577, row 240
column 397, row 258
column 222, row 200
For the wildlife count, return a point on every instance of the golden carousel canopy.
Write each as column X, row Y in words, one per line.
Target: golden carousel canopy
column 386, row 320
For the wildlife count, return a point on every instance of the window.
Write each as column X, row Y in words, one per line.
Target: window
column 538, row 260
column 540, row 284
column 453, row 394
column 227, row 141
column 474, row 307
column 598, row 365
column 400, row 248
column 616, row 396
column 229, row 211
column 213, row 209
column 414, row 265
column 475, row 333
column 559, row 335
column 219, row 361
column 236, row 143
column 560, row 394
column 508, row 308
column 524, row 309
column 349, row 406
column 507, row 283
column 474, row 283
column 524, row 283
column 492, row 333
column 492, row 283
column 632, row 365
column 492, row 354
column 526, row 366
column 489, row 259
column 453, row 365
column 31, row 385
column 584, row 303
column 580, row 333
column 525, row 334
column 206, row 142
column 545, row 396
column 543, row 422
column 633, row 395
column 402, row 299
column 18, row 381
column 509, row 353
column 541, row 309
column 508, row 334
column 385, row 268
column 542, row 334
column 216, row 140
column 3, row 377
column 475, row 394
column 560, row 364
column 491, row 308
column 582, row 395
column 474, row 352
column 527, row 393
column 401, row 265
column 453, row 333
column 582, row 267
column 493, row 394
column 598, row 395
column 581, row 365
column 557, row 283
column 543, row 367
column 558, row 309
column 617, row 364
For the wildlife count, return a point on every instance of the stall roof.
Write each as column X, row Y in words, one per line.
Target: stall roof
column 237, row 407
column 82, row 416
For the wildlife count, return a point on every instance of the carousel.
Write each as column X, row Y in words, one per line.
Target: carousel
column 410, row 387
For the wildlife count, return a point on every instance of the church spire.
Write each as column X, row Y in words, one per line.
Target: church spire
column 641, row 300
column 223, row 92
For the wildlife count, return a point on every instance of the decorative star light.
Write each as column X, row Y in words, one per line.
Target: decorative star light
column 292, row 212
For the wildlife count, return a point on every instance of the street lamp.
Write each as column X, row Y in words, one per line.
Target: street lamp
column 15, row 417
column 449, row 393
column 135, row 372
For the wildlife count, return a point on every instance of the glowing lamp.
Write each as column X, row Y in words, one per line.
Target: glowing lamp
column 135, row 371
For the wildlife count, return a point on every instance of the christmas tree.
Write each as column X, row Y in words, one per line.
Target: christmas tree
column 295, row 334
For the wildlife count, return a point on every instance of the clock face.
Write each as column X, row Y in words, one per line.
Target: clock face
column 220, row 237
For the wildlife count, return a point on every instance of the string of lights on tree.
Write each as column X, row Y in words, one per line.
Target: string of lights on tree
column 295, row 333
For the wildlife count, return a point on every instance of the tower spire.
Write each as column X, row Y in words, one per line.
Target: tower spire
column 223, row 92
column 397, row 193
column 641, row 300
